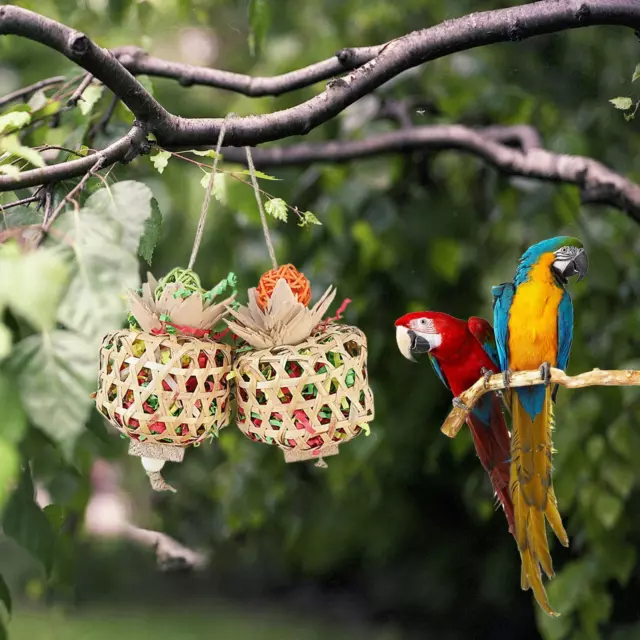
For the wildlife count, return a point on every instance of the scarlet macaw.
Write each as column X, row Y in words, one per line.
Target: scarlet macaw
column 461, row 352
column 533, row 320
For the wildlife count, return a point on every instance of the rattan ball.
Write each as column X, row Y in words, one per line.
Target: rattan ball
column 297, row 281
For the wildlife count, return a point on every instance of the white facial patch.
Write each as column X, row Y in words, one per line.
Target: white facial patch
column 427, row 329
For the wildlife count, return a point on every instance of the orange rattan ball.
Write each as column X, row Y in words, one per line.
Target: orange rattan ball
column 297, row 281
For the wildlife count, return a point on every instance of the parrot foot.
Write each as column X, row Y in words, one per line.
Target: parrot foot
column 486, row 374
column 506, row 378
column 458, row 404
column 545, row 373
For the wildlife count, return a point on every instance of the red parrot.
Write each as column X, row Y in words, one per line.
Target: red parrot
column 461, row 352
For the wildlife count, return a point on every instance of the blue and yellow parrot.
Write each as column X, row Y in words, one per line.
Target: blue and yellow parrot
column 533, row 323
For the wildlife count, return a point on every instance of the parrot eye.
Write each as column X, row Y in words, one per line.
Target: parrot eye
column 423, row 322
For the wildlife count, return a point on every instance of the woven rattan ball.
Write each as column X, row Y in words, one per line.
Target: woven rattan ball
column 165, row 389
column 309, row 398
column 297, row 282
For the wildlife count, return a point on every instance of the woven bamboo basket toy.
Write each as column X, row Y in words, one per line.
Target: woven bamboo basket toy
column 163, row 382
column 302, row 383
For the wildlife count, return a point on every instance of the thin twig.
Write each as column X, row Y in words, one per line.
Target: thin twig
column 263, row 217
column 17, row 203
column 596, row 377
column 56, row 212
column 27, row 92
column 77, row 94
column 207, row 199
column 101, row 125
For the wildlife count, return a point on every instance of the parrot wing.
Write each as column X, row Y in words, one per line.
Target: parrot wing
column 438, row 370
column 502, row 299
column 482, row 331
column 565, row 335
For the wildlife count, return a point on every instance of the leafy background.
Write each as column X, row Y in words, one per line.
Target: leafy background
column 398, row 537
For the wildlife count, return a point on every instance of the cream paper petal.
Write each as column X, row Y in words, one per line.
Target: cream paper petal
column 187, row 311
column 145, row 317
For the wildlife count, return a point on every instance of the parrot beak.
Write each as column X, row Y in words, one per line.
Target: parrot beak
column 581, row 264
column 409, row 342
column 577, row 266
column 404, row 339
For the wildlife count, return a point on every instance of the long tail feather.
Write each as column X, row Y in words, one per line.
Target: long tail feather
column 492, row 442
column 533, row 496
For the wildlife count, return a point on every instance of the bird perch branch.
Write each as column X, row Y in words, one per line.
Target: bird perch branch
column 594, row 378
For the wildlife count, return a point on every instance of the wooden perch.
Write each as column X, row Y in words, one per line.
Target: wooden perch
column 594, row 378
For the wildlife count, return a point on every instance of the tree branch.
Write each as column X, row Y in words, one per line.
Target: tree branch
column 598, row 183
column 596, row 377
column 27, row 92
column 475, row 30
column 123, row 150
column 138, row 62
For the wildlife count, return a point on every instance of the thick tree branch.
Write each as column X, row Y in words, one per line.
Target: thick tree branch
column 475, row 30
column 138, row 62
column 596, row 377
column 123, row 150
column 598, row 183
column 80, row 49
column 391, row 59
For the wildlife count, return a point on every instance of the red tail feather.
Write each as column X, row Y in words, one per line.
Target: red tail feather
column 492, row 446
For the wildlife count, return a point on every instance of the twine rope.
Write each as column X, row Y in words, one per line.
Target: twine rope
column 207, row 195
column 263, row 217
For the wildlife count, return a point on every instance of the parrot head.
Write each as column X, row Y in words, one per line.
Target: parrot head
column 426, row 332
column 568, row 257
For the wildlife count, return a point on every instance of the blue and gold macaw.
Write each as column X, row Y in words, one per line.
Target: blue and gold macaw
column 533, row 323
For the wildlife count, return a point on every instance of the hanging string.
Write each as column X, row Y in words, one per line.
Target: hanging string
column 263, row 217
column 207, row 196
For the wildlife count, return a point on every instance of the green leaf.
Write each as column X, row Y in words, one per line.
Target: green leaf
column 56, row 515
column 56, row 373
column 277, row 208
column 259, row 21
column 258, row 174
column 636, row 73
column 207, row 153
column 12, row 146
column 33, row 283
column 161, row 160
column 5, row 595
column 127, row 202
column 9, row 469
column 25, row 522
column 14, row 418
column 37, row 101
column 152, row 227
column 14, row 120
column 608, row 508
column 307, row 219
column 219, row 191
column 5, row 341
column 446, row 258
column 90, row 97
column 622, row 103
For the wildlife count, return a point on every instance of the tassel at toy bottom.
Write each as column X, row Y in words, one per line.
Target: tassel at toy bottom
column 153, row 456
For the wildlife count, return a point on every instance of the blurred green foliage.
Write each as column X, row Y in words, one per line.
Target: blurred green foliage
column 402, row 523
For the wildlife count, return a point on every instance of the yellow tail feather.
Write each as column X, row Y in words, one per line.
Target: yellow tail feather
column 533, row 496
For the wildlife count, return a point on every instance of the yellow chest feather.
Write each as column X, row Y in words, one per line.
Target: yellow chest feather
column 533, row 320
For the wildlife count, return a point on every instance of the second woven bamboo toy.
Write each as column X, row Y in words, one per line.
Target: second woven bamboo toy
column 302, row 382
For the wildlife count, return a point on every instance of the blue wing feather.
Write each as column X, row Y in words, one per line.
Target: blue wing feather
column 438, row 370
column 565, row 330
column 502, row 299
